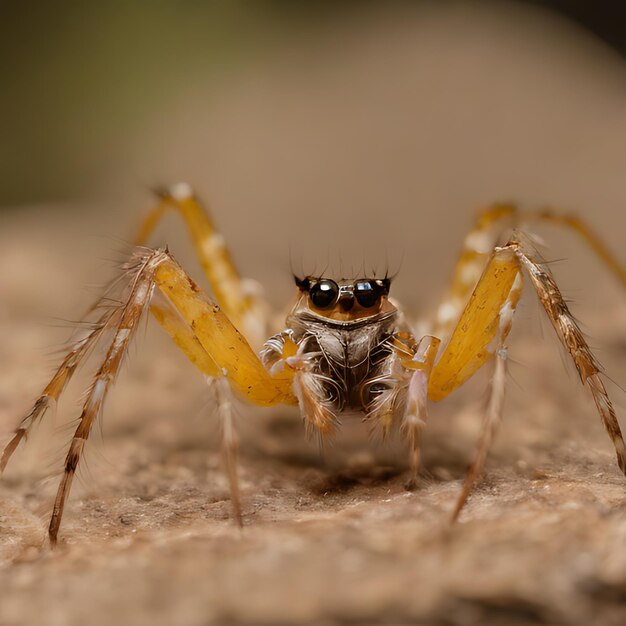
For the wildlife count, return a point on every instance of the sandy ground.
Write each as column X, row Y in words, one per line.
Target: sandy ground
column 387, row 137
column 327, row 538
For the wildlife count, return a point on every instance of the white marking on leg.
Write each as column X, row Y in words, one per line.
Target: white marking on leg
column 181, row 191
column 470, row 273
column 120, row 338
column 479, row 241
column 449, row 311
column 414, row 419
column 506, row 315
column 252, row 288
column 213, row 244
column 416, row 409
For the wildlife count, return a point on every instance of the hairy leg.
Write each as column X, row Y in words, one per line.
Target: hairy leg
column 415, row 414
column 482, row 331
column 129, row 315
column 198, row 327
column 575, row 343
column 108, row 321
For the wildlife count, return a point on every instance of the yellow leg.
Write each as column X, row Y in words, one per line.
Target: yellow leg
column 477, row 248
column 213, row 344
column 221, row 340
column 481, row 240
column 493, row 415
column 480, row 334
column 482, row 331
column 577, row 225
column 474, row 338
column 235, row 295
column 185, row 339
column 199, row 328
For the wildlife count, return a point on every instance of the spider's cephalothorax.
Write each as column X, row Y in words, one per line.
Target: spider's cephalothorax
column 346, row 331
column 345, row 347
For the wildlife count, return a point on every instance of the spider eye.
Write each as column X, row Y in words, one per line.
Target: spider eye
column 324, row 293
column 367, row 293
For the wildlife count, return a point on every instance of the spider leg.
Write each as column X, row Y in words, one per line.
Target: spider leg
column 482, row 331
column 484, row 236
column 574, row 342
column 230, row 443
column 217, row 335
column 584, row 231
column 184, row 338
column 493, row 415
column 48, row 397
column 477, row 248
column 474, row 338
column 79, row 350
column 139, row 292
column 187, row 341
column 197, row 326
column 240, row 298
column 310, row 387
column 415, row 414
column 492, row 420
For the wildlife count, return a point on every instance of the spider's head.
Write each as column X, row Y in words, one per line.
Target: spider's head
column 344, row 300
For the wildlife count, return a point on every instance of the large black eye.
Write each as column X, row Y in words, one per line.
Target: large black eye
column 367, row 293
column 324, row 293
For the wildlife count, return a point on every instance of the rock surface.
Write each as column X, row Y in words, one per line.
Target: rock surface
column 332, row 538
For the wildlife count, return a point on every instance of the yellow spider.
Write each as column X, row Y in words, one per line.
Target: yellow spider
column 346, row 347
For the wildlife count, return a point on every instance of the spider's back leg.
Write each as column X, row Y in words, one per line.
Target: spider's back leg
column 491, row 225
column 241, row 298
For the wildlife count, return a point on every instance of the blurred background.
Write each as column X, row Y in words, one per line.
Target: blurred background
column 322, row 134
column 337, row 133
column 85, row 82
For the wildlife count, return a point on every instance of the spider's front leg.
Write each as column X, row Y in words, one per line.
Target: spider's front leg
column 284, row 351
column 482, row 331
column 411, row 367
column 197, row 325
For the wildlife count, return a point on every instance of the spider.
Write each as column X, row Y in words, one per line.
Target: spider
column 346, row 347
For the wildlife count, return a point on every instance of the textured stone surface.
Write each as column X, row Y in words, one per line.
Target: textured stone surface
column 147, row 537
column 386, row 134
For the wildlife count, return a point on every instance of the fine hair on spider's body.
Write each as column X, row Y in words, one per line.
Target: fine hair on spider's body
column 346, row 347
